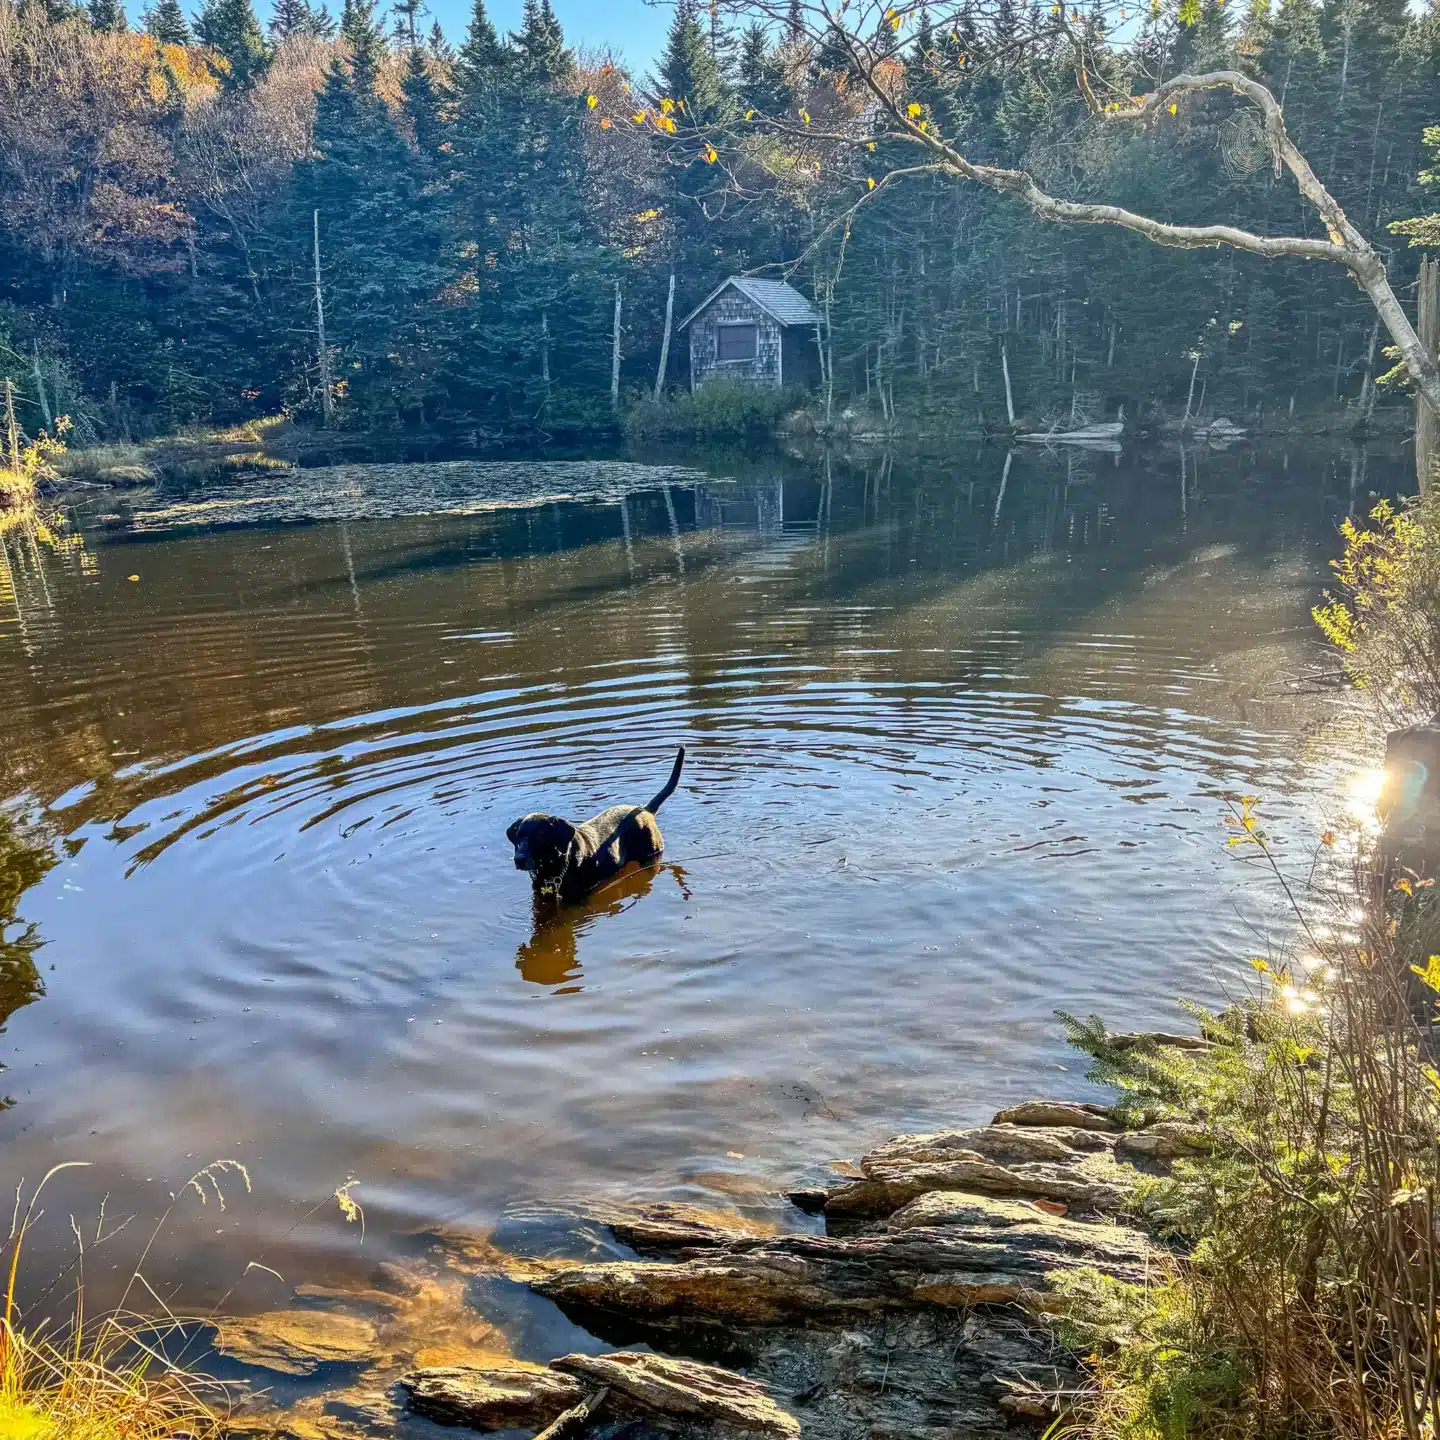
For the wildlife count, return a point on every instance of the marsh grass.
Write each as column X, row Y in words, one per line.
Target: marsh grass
column 105, row 1377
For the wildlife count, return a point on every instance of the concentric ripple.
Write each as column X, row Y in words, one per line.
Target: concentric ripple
column 958, row 757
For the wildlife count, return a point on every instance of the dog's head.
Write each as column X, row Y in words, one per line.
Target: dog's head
column 542, row 846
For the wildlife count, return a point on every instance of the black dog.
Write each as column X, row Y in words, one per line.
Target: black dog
column 572, row 860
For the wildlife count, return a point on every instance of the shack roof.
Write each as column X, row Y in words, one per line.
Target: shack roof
column 781, row 302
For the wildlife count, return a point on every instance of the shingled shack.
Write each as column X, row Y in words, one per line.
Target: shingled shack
column 761, row 331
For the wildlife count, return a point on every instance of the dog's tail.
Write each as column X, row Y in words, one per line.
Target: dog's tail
column 670, row 784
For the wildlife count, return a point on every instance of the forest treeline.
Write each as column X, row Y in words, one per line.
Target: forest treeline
column 167, row 191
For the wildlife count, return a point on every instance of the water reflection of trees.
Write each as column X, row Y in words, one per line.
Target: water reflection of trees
column 25, row 857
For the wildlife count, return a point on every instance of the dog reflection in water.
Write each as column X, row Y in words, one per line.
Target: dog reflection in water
column 548, row 957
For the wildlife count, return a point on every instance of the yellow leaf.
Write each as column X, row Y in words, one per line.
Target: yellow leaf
column 912, row 110
column 1174, row 108
column 924, row 126
column 132, row 577
column 665, row 123
column 639, row 117
column 1328, row 838
column 893, row 17
column 1430, row 975
column 592, row 101
column 749, row 114
column 666, row 106
column 709, row 155
column 869, row 183
column 805, row 116
column 1260, row 965
column 871, row 146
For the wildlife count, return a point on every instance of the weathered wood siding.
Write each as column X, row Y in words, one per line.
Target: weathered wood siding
column 734, row 308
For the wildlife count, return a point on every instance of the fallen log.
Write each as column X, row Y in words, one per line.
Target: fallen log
column 574, row 1420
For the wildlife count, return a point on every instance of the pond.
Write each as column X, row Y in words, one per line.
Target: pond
column 961, row 734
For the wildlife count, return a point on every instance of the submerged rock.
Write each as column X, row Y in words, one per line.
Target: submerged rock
column 297, row 1342
column 518, row 1397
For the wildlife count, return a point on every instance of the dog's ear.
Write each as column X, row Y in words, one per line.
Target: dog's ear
column 513, row 831
column 561, row 834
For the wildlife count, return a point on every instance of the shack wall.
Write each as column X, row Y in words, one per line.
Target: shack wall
column 734, row 308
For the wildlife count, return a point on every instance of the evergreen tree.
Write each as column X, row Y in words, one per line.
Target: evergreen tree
column 407, row 22
column 439, row 47
column 230, row 28
column 290, row 19
column 540, row 56
column 322, row 24
column 107, row 15
column 481, row 57
column 760, row 75
column 688, row 70
column 367, row 48
column 379, row 231
column 424, row 101
column 165, row 21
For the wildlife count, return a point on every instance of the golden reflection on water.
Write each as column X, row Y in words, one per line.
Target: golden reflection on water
column 550, row 957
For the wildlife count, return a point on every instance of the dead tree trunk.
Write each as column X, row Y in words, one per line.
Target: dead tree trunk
column 1367, row 389
column 322, row 350
column 12, row 430
column 665, row 342
column 1190, row 398
column 1427, row 424
column 45, row 414
column 615, row 355
column 1009, row 394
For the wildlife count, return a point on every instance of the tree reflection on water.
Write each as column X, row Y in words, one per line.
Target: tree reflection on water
column 25, row 857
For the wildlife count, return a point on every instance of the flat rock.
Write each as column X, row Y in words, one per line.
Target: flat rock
column 1073, row 1113
column 1164, row 1140
column 1071, row 1165
column 1157, row 1037
column 975, row 1255
column 491, row 1397
column 659, row 1386
column 666, row 1227
column 297, row 1342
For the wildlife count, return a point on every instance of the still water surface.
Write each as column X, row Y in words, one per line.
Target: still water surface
column 960, row 735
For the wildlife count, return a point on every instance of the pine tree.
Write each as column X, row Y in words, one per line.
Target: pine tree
column 367, row 46
column 688, row 70
column 379, row 229
column 481, row 57
column 290, row 19
column 760, row 75
column 541, row 58
column 107, row 15
column 322, row 24
column 166, row 23
column 407, row 22
column 424, row 100
column 230, row 28
column 439, row 47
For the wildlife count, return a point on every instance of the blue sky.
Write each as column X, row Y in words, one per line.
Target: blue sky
column 631, row 27
column 635, row 30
